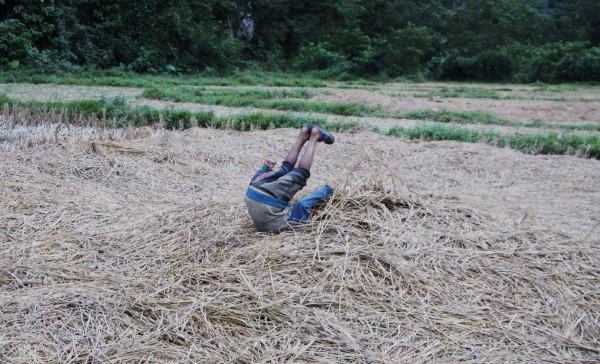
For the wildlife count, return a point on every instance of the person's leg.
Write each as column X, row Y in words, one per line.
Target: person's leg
column 289, row 162
column 309, row 154
column 302, row 208
column 286, row 186
column 292, row 156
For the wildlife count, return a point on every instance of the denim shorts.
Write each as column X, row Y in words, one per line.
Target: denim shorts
column 283, row 183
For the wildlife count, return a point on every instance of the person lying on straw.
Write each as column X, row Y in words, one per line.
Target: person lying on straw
column 270, row 192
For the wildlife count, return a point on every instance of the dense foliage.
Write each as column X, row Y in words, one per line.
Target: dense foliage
column 490, row 40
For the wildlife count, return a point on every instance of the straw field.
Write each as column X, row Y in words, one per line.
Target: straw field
column 134, row 245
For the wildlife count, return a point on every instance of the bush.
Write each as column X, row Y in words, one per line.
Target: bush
column 487, row 66
column 556, row 62
column 15, row 41
column 404, row 51
column 581, row 67
column 452, row 67
column 493, row 66
column 317, row 56
column 148, row 60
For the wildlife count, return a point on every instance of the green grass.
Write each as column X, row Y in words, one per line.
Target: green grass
column 280, row 100
column 467, row 117
column 464, row 92
column 199, row 95
column 486, row 93
column 582, row 127
column 459, row 117
column 264, row 99
column 5, row 100
column 551, row 143
column 118, row 113
column 119, row 78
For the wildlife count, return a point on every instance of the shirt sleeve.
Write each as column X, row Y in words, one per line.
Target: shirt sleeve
column 264, row 169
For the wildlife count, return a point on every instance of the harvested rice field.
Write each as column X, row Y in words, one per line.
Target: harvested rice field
column 133, row 244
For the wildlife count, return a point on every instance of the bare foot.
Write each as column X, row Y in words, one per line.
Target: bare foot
column 315, row 133
column 304, row 133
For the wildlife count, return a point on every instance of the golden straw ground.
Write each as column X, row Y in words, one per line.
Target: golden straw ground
column 135, row 246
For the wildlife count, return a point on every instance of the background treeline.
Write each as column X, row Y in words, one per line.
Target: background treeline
column 488, row 40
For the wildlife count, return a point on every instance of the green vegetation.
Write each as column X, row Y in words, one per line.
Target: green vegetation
column 276, row 100
column 279, row 100
column 224, row 96
column 582, row 127
column 464, row 92
column 487, row 40
column 118, row 113
column 466, row 117
column 123, row 78
column 459, row 117
column 550, row 143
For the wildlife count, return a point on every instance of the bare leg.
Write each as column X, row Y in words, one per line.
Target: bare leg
column 309, row 154
column 293, row 154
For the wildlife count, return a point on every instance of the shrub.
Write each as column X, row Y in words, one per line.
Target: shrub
column 493, row 66
column 317, row 56
column 405, row 49
column 148, row 60
column 452, row 67
column 555, row 62
column 15, row 41
column 579, row 67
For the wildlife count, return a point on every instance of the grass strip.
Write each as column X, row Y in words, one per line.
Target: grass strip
column 120, row 78
column 116, row 112
column 459, row 117
column 551, row 143
column 467, row 117
column 274, row 100
column 187, row 94
column 463, row 92
column 280, row 100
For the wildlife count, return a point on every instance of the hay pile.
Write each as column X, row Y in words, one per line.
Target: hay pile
column 141, row 250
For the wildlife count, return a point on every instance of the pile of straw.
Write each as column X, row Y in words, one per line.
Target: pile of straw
column 141, row 251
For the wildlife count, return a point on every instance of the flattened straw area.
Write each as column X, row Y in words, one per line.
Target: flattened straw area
column 141, row 251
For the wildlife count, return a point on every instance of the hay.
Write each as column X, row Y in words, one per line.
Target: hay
column 22, row 128
column 141, row 251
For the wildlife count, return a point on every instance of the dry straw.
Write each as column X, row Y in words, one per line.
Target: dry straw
column 141, row 251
